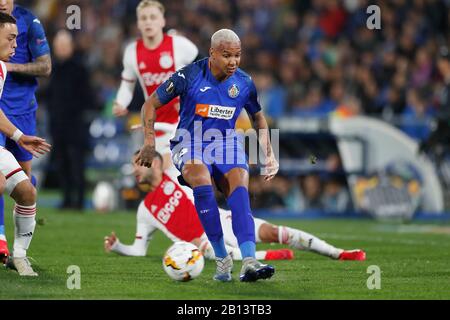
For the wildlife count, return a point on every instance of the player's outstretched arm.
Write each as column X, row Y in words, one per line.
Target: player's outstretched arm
column 41, row 67
column 34, row 145
column 137, row 249
column 124, row 98
column 261, row 126
column 148, row 113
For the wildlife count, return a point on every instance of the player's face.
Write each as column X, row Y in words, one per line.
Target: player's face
column 6, row 6
column 8, row 44
column 146, row 177
column 150, row 21
column 226, row 57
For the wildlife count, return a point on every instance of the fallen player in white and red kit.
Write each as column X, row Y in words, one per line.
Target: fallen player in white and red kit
column 169, row 207
column 151, row 60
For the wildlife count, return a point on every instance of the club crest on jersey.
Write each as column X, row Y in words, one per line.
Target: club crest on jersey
column 165, row 61
column 168, row 188
column 233, row 91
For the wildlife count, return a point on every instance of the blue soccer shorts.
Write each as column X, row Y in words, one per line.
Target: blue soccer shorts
column 219, row 157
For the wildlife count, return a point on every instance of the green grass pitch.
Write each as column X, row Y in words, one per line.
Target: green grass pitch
column 413, row 259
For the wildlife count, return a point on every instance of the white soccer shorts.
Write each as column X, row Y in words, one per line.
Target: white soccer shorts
column 11, row 169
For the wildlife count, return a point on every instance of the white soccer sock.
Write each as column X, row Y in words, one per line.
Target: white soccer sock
column 304, row 241
column 24, row 224
column 235, row 253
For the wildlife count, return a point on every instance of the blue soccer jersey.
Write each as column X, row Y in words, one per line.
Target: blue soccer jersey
column 208, row 113
column 19, row 92
column 205, row 100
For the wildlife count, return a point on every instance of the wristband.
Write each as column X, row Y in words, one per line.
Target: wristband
column 17, row 135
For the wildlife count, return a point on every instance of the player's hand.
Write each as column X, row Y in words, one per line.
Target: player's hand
column 119, row 110
column 145, row 156
column 34, row 145
column 271, row 169
column 110, row 241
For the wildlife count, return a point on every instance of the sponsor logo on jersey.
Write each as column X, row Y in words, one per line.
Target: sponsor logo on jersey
column 151, row 79
column 166, row 61
column 215, row 111
column 233, row 91
column 170, row 206
column 205, row 89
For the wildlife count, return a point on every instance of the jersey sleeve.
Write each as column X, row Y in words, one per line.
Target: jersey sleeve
column 129, row 62
column 252, row 106
column 3, row 73
column 173, row 87
column 185, row 51
column 37, row 41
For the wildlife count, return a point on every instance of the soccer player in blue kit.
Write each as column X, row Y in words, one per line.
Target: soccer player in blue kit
column 31, row 60
column 213, row 92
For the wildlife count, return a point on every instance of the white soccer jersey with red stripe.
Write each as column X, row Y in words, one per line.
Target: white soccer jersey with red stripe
column 154, row 66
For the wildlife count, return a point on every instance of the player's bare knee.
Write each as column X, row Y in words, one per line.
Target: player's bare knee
column 196, row 176
column 268, row 233
column 24, row 193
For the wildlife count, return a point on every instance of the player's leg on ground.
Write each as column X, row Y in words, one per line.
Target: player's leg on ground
column 297, row 239
column 24, row 195
column 198, row 177
column 244, row 226
column 301, row 240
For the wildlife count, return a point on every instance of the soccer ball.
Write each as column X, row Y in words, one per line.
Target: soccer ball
column 104, row 197
column 183, row 261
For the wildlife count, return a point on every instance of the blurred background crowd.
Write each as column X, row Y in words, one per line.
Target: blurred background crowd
column 308, row 58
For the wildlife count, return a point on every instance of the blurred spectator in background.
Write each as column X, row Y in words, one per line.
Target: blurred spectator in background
column 311, row 192
column 439, row 139
column 335, row 196
column 69, row 95
column 417, row 116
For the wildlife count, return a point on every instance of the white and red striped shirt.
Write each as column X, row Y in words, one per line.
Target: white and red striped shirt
column 154, row 66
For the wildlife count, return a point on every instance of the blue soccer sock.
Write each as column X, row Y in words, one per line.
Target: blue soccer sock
column 208, row 212
column 33, row 181
column 2, row 217
column 242, row 220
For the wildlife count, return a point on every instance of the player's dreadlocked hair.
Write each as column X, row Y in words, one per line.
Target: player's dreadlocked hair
column 6, row 18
